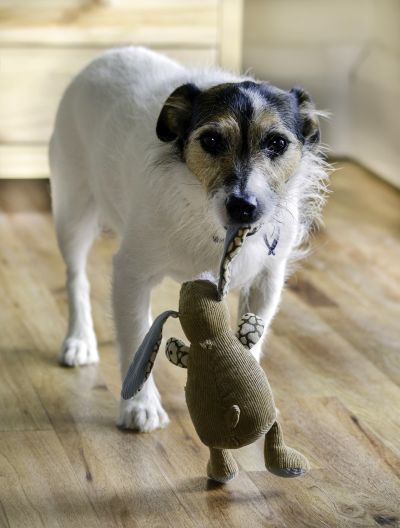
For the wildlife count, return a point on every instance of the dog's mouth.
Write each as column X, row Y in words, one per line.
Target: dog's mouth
column 253, row 230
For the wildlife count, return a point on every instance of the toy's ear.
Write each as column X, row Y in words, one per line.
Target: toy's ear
column 176, row 113
column 235, row 236
column 144, row 358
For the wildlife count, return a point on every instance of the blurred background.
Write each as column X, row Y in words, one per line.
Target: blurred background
column 346, row 53
column 333, row 350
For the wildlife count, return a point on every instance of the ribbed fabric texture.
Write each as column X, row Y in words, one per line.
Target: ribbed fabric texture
column 281, row 459
column 223, row 374
column 202, row 316
column 222, row 467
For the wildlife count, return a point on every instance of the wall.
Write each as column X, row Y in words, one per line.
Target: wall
column 346, row 53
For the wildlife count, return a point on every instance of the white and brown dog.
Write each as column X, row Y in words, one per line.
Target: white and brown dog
column 168, row 157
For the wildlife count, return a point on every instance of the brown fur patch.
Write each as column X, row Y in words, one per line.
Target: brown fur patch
column 209, row 169
column 212, row 170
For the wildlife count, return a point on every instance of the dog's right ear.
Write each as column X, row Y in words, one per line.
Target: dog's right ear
column 176, row 113
column 309, row 116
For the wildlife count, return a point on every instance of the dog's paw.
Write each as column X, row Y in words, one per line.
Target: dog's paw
column 143, row 413
column 76, row 352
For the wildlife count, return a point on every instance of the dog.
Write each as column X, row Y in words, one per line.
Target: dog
column 167, row 157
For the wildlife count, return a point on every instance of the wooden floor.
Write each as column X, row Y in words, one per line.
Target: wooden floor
column 333, row 359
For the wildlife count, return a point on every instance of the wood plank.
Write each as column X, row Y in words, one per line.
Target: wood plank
column 330, row 365
column 20, row 405
column 38, row 486
column 359, row 268
column 24, row 195
column 337, row 491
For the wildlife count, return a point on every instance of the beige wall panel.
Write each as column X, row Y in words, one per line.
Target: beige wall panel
column 347, row 55
column 231, row 44
column 23, row 161
column 32, row 82
column 147, row 22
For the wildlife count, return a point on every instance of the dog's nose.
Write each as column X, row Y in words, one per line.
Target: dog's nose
column 242, row 209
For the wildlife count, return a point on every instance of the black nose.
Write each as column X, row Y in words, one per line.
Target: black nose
column 242, row 209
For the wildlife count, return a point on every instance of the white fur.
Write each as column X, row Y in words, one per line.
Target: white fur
column 109, row 169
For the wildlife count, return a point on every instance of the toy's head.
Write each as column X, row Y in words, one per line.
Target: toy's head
column 201, row 313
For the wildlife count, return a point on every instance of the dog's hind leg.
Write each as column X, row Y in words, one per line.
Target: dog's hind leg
column 76, row 222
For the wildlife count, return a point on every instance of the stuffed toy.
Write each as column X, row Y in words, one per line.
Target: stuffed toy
column 227, row 392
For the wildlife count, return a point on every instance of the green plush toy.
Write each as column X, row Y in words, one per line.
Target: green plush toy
column 227, row 392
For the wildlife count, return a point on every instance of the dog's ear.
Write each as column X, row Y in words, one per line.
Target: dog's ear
column 309, row 123
column 176, row 113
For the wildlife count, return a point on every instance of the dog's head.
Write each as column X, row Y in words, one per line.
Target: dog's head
column 243, row 141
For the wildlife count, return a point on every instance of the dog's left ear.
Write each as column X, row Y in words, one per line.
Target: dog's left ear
column 176, row 113
column 308, row 115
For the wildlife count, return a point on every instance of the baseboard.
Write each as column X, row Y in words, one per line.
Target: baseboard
column 24, row 195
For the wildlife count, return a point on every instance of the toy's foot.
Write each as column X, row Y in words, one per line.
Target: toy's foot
column 222, row 466
column 143, row 413
column 77, row 352
column 286, row 462
column 222, row 479
column 288, row 472
column 280, row 459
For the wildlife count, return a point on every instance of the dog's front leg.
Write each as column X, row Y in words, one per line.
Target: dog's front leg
column 131, row 303
column 262, row 298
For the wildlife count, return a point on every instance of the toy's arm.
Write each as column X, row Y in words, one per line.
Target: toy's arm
column 250, row 329
column 177, row 352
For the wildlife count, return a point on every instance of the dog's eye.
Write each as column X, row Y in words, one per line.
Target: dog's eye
column 275, row 145
column 211, row 142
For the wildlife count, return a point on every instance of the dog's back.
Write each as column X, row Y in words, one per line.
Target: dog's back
column 113, row 103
